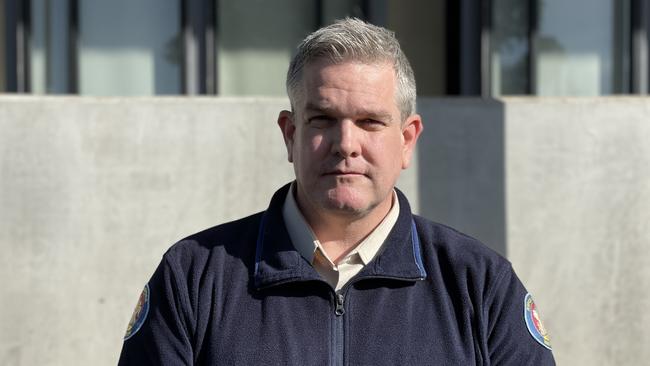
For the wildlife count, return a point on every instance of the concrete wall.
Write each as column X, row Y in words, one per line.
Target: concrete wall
column 92, row 192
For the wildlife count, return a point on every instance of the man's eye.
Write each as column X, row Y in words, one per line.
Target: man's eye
column 370, row 123
column 321, row 121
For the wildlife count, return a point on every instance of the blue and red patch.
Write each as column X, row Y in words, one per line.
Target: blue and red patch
column 534, row 322
column 139, row 314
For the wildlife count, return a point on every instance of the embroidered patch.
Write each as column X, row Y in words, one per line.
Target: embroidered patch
column 534, row 322
column 139, row 313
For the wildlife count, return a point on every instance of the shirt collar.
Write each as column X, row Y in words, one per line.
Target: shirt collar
column 278, row 262
column 306, row 242
column 302, row 237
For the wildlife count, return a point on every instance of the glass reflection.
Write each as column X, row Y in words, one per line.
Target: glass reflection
column 129, row 47
column 581, row 47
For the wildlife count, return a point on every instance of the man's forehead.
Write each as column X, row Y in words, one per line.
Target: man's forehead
column 323, row 106
column 316, row 67
column 352, row 76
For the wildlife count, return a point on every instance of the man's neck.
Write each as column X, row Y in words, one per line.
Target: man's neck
column 339, row 234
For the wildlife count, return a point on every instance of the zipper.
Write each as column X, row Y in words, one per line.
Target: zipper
column 340, row 310
column 339, row 336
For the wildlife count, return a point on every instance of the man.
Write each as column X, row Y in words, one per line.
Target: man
column 338, row 270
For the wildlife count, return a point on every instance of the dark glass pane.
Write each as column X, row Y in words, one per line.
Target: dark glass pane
column 129, row 47
column 582, row 47
column 255, row 42
column 510, row 47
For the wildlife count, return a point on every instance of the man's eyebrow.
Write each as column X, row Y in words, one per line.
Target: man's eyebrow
column 317, row 108
column 378, row 115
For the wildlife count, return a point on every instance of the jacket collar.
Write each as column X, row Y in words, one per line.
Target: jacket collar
column 277, row 261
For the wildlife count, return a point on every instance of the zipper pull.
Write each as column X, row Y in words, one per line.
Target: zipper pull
column 339, row 305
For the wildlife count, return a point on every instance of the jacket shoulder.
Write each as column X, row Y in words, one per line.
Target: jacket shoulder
column 457, row 249
column 230, row 239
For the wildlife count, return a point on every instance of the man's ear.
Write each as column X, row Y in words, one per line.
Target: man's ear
column 411, row 130
column 288, row 128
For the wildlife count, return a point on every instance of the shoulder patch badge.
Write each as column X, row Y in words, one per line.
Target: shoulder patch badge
column 139, row 313
column 534, row 322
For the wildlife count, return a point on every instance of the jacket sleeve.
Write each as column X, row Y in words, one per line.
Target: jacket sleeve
column 516, row 335
column 158, row 332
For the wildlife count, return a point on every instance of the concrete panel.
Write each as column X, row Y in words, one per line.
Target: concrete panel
column 93, row 192
column 578, row 190
column 461, row 171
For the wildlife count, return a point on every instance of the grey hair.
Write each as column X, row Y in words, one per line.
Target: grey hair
column 352, row 39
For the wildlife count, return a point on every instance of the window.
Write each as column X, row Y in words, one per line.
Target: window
column 581, row 47
column 3, row 48
column 129, row 47
column 253, row 47
column 556, row 47
column 420, row 27
column 510, row 47
column 49, row 45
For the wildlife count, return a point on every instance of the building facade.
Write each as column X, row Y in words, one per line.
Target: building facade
column 235, row 48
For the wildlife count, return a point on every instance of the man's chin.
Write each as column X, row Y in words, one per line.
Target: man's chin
column 345, row 207
column 346, row 204
column 345, row 198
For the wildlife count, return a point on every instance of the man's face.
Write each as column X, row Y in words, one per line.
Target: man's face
column 346, row 139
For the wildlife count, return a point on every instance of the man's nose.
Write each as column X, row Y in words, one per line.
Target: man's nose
column 346, row 140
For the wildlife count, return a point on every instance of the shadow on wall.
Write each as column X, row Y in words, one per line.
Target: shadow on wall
column 461, row 167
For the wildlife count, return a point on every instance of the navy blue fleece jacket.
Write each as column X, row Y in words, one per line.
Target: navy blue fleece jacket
column 240, row 294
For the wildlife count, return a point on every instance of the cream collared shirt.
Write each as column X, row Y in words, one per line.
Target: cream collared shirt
column 308, row 245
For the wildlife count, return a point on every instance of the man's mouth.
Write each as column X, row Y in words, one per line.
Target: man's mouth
column 344, row 173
